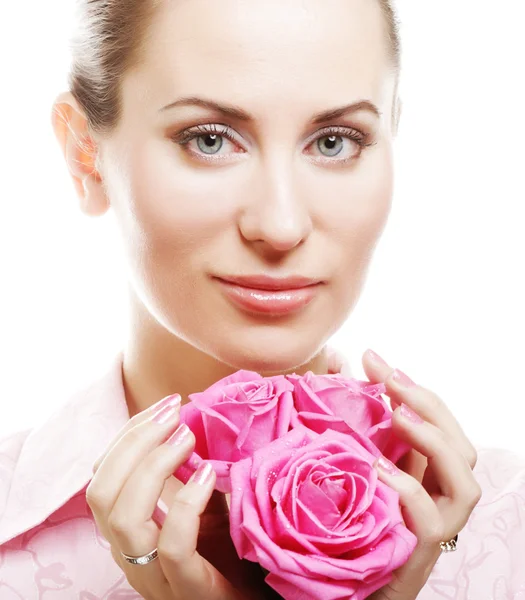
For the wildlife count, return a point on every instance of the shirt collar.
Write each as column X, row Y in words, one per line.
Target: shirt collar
column 57, row 458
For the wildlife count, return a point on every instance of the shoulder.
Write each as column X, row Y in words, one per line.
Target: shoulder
column 10, row 449
column 64, row 557
column 498, row 470
column 11, row 444
column 491, row 546
column 43, row 467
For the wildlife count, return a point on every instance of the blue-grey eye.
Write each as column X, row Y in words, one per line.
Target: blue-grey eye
column 210, row 145
column 331, row 144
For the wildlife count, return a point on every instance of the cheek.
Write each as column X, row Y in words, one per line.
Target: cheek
column 175, row 211
column 359, row 207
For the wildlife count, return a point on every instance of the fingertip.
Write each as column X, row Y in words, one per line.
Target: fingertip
column 375, row 359
column 199, row 487
column 376, row 369
column 173, row 400
column 394, row 404
column 204, row 474
column 383, row 465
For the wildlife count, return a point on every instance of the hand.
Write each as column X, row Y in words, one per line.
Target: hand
column 436, row 485
column 127, row 483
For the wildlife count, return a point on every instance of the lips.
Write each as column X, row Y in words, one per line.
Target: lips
column 265, row 295
column 264, row 282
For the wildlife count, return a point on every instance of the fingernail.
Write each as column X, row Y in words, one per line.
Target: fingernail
column 409, row 414
column 402, row 379
column 376, row 358
column 172, row 399
column 166, row 413
column 388, row 466
column 203, row 474
column 179, row 435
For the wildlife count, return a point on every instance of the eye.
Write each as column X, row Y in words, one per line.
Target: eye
column 331, row 143
column 210, row 138
column 212, row 143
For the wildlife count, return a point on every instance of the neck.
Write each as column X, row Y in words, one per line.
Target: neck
column 157, row 363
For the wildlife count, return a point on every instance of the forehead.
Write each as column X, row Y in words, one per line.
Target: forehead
column 263, row 54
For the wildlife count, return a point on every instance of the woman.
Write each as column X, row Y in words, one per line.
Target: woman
column 246, row 149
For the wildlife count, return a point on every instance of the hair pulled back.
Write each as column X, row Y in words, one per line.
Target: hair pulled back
column 109, row 40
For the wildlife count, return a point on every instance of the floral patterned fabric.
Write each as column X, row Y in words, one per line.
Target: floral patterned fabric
column 51, row 548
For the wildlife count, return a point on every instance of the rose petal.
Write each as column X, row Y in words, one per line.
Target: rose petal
column 238, row 377
column 361, row 555
column 312, row 501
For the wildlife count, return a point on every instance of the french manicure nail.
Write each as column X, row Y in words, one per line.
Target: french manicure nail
column 402, row 378
column 376, row 358
column 166, row 401
column 388, row 466
column 179, row 435
column 409, row 414
column 165, row 413
column 203, row 474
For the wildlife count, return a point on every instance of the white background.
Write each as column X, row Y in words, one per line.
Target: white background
column 444, row 299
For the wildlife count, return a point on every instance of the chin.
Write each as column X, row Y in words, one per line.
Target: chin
column 267, row 354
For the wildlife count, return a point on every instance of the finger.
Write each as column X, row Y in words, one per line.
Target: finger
column 148, row 580
column 136, row 420
column 130, row 520
column 423, row 519
column 459, row 490
column 422, row 400
column 126, row 454
column 184, row 567
column 375, row 367
column 377, row 370
column 432, row 409
column 413, row 463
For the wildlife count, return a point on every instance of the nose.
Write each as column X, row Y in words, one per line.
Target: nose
column 276, row 215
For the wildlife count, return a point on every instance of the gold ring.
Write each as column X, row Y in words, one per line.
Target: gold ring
column 449, row 546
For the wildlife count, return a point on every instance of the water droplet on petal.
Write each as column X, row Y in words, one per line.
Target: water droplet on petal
column 272, row 476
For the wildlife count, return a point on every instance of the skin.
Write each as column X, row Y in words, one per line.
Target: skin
column 275, row 201
column 271, row 203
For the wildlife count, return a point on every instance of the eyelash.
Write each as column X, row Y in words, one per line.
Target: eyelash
column 184, row 138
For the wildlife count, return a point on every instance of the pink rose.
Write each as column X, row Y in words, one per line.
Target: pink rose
column 312, row 511
column 233, row 418
column 335, row 402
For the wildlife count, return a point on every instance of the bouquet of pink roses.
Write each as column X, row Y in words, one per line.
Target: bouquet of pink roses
column 296, row 454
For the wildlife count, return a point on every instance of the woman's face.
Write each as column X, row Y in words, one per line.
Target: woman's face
column 270, row 187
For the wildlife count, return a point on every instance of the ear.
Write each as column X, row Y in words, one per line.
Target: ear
column 80, row 151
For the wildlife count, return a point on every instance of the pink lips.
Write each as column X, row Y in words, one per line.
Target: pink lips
column 268, row 295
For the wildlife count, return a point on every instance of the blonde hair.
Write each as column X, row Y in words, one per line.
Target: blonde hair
column 108, row 42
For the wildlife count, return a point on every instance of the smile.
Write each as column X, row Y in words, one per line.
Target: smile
column 270, row 296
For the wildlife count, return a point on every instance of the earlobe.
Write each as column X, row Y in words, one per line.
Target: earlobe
column 80, row 152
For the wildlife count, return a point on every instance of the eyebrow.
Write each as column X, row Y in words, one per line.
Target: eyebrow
column 241, row 115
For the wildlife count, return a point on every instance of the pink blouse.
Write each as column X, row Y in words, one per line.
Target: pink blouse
column 51, row 548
